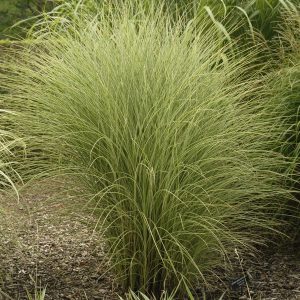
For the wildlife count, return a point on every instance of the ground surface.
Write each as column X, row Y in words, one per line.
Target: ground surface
column 49, row 246
column 46, row 244
column 275, row 275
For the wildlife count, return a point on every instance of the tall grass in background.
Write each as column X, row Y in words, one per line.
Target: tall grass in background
column 14, row 154
column 176, row 146
column 8, row 141
column 259, row 15
column 253, row 17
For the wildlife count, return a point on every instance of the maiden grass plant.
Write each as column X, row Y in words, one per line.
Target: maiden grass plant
column 178, row 150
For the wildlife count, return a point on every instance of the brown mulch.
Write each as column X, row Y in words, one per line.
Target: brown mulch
column 47, row 246
column 49, row 242
column 274, row 275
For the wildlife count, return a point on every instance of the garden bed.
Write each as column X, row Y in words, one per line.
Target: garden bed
column 46, row 245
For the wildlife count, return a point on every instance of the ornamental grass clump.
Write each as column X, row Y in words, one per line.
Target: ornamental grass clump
column 165, row 131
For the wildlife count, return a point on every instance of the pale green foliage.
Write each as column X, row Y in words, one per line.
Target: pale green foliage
column 140, row 296
column 8, row 141
column 39, row 294
column 286, row 78
column 177, row 148
column 164, row 296
column 287, row 82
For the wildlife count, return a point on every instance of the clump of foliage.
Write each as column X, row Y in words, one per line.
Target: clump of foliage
column 177, row 146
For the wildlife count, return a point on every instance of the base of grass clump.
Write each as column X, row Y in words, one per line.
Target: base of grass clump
column 178, row 152
column 56, row 249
